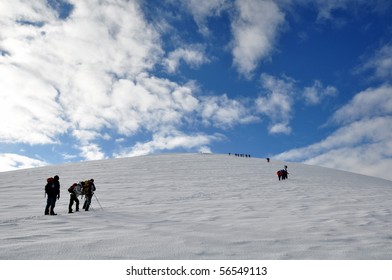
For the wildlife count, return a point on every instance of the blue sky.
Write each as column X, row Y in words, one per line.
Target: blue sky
column 296, row 80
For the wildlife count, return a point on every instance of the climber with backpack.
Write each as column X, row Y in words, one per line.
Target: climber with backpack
column 88, row 189
column 75, row 190
column 52, row 190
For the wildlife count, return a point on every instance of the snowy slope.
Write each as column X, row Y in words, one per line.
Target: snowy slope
column 198, row 206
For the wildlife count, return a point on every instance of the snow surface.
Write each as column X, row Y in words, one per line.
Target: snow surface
column 198, row 206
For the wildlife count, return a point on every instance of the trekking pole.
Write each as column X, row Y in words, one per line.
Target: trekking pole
column 98, row 201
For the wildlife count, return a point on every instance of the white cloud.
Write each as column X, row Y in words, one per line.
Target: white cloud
column 192, row 55
column 205, row 150
column 254, row 30
column 154, row 104
column 220, row 111
column 67, row 156
column 370, row 159
column 28, row 108
column 85, row 136
column 280, row 128
column 370, row 103
column 169, row 141
column 277, row 102
column 380, row 64
column 90, row 72
column 202, row 10
column 280, row 95
column 13, row 161
column 91, row 151
column 150, row 103
column 317, row 93
column 362, row 132
column 56, row 76
column 33, row 12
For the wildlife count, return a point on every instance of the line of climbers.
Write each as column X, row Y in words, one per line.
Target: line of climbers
column 240, row 155
column 52, row 190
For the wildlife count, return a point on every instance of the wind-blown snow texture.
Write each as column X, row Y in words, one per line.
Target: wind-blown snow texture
column 198, row 206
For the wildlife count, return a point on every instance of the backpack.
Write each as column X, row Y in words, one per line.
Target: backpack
column 85, row 187
column 75, row 189
column 49, row 183
column 71, row 188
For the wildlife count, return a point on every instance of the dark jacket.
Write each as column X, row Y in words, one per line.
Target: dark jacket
column 53, row 188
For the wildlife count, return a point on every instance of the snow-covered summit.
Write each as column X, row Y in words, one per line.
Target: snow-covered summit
column 198, row 206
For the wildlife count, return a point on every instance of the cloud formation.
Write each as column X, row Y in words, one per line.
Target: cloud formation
column 362, row 143
column 379, row 64
column 29, row 111
column 192, row 56
column 317, row 93
column 90, row 71
column 202, row 10
column 169, row 141
column 220, row 111
column 280, row 95
column 255, row 29
column 277, row 102
column 10, row 161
